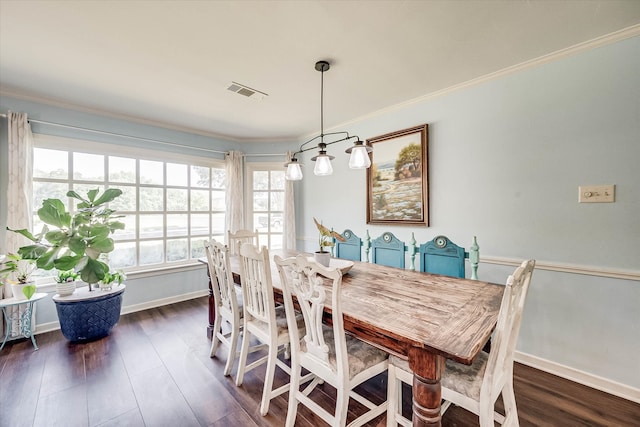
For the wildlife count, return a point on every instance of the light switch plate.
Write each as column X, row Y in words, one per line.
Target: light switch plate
column 596, row 193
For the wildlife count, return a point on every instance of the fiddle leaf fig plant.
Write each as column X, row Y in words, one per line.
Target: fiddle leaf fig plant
column 75, row 242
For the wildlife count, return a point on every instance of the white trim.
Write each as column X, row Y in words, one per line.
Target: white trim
column 612, row 273
column 590, row 380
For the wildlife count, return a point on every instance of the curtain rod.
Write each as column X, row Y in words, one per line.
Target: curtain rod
column 141, row 139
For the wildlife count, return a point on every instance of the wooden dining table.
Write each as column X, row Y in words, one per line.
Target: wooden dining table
column 425, row 318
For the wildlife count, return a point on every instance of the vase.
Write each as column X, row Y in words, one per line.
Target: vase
column 17, row 290
column 322, row 258
column 65, row 288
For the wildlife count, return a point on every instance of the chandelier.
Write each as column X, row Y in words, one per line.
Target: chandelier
column 359, row 152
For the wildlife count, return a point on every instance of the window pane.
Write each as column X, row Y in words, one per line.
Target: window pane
column 277, row 201
column 177, row 225
column 197, row 247
column 277, row 180
column 122, row 169
column 127, row 201
column 261, row 180
column 177, row 200
column 129, row 232
column 151, row 172
column 177, row 250
column 218, row 178
column 88, row 167
column 199, row 176
column 177, row 174
column 49, row 190
column 124, row 255
column 151, row 199
column 151, row 252
column 276, row 241
column 217, row 223
column 218, row 202
column 151, row 226
column 199, row 224
column 50, row 163
column 260, row 200
column 199, row 200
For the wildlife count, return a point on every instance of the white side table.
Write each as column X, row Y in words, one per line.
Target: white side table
column 24, row 318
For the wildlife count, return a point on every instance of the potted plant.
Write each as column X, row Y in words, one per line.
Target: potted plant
column 325, row 240
column 66, row 282
column 16, row 272
column 79, row 242
column 117, row 278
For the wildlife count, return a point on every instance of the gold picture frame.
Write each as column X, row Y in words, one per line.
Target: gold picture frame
column 397, row 184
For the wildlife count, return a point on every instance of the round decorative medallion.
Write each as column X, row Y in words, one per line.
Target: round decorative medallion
column 440, row 241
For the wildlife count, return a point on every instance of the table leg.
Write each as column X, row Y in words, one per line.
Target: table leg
column 427, row 370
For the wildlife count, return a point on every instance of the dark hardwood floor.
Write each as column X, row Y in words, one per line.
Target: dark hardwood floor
column 154, row 370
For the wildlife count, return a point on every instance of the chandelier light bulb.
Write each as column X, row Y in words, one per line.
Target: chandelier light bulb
column 294, row 171
column 323, row 165
column 359, row 158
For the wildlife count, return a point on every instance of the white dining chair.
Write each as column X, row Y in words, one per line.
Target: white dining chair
column 226, row 302
column 262, row 321
column 333, row 357
column 234, row 240
column 476, row 387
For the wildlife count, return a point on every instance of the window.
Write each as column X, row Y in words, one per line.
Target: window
column 170, row 203
column 266, row 202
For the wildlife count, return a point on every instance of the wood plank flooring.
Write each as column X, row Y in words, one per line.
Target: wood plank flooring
column 154, row 370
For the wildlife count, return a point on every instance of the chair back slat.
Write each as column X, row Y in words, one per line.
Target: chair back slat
column 224, row 291
column 500, row 363
column 351, row 248
column 442, row 256
column 234, row 240
column 388, row 250
column 314, row 287
column 257, row 289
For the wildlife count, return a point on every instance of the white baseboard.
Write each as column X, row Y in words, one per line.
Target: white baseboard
column 580, row 377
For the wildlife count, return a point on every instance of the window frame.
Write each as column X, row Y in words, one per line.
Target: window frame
column 77, row 145
column 250, row 168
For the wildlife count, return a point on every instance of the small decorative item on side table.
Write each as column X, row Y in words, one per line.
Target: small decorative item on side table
column 23, row 317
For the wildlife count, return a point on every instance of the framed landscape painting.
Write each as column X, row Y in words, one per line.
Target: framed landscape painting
column 397, row 186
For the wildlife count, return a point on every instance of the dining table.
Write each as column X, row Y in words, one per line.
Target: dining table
column 422, row 317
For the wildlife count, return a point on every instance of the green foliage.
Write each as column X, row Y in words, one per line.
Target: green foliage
column 66, row 276
column 408, row 164
column 77, row 241
column 29, row 290
column 17, row 268
column 326, row 236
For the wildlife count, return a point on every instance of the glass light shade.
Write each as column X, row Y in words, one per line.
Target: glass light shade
column 294, row 172
column 359, row 158
column 323, row 165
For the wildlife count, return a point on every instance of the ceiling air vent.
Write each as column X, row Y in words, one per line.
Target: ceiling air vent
column 241, row 89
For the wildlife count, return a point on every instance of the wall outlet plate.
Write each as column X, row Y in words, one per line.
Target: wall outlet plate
column 596, row 193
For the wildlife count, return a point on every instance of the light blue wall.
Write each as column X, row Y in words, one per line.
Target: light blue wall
column 506, row 158
column 505, row 161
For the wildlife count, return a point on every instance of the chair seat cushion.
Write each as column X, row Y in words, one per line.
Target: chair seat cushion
column 463, row 379
column 361, row 355
column 281, row 324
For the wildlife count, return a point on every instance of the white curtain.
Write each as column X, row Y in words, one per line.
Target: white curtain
column 20, row 187
column 289, row 240
column 234, row 218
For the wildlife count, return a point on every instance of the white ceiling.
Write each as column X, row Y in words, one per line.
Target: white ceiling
column 169, row 62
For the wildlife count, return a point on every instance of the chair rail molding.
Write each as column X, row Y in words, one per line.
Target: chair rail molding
column 612, row 273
